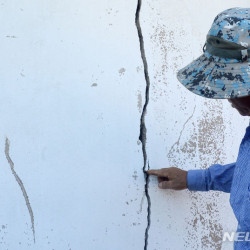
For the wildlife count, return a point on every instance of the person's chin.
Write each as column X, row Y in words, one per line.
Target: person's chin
column 245, row 113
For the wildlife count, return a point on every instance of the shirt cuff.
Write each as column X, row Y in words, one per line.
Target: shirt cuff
column 196, row 180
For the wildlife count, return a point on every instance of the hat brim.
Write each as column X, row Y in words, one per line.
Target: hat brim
column 216, row 78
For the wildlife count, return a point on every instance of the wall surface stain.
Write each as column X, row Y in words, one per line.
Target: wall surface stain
column 164, row 39
column 206, row 142
column 204, row 227
column 210, row 140
column 141, row 204
column 203, row 148
column 139, row 102
column 11, row 36
column 122, row 71
column 138, row 69
column 211, row 135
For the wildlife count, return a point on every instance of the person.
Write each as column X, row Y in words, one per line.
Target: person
column 221, row 72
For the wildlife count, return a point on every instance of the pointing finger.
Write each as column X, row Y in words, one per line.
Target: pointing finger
column 156, row 172
column 163, row 172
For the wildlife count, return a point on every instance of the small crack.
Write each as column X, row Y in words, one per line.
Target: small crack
column 143, row 129
column 183, row 127
column 20, row 183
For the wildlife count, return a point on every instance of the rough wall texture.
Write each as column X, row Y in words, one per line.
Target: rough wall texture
column 73, row 95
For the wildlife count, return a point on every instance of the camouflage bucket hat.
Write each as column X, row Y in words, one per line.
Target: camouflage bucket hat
column 222, row 71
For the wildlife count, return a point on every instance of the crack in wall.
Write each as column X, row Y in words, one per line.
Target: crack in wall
column 183, row 127
column 20, row 183
column 143, row 129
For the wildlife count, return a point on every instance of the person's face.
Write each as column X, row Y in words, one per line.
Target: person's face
column 242, row 104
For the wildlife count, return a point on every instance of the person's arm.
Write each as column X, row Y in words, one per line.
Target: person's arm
column 217, row 177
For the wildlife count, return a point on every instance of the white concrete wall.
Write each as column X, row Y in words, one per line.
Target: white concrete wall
column 72, row 93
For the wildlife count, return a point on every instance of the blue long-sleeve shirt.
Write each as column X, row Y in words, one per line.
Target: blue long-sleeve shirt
column 232, row 178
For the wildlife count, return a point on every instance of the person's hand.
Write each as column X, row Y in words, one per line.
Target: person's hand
column 170, row 178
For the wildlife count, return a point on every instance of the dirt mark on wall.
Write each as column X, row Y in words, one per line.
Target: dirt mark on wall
column 139, row 102
column 164, row 39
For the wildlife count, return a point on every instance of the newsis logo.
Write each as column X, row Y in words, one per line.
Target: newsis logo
column 236, row 236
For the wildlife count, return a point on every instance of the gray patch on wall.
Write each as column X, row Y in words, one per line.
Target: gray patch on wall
column 122, row 71
column 163, row 39
column 139, row 102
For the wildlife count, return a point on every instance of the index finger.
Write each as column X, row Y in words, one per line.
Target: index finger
column 156, row 172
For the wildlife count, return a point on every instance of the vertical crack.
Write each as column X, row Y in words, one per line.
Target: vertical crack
column 20, row 183
column 148, row 209
column 143, row 129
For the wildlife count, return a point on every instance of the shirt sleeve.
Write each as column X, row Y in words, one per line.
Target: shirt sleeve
column 217, row 177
